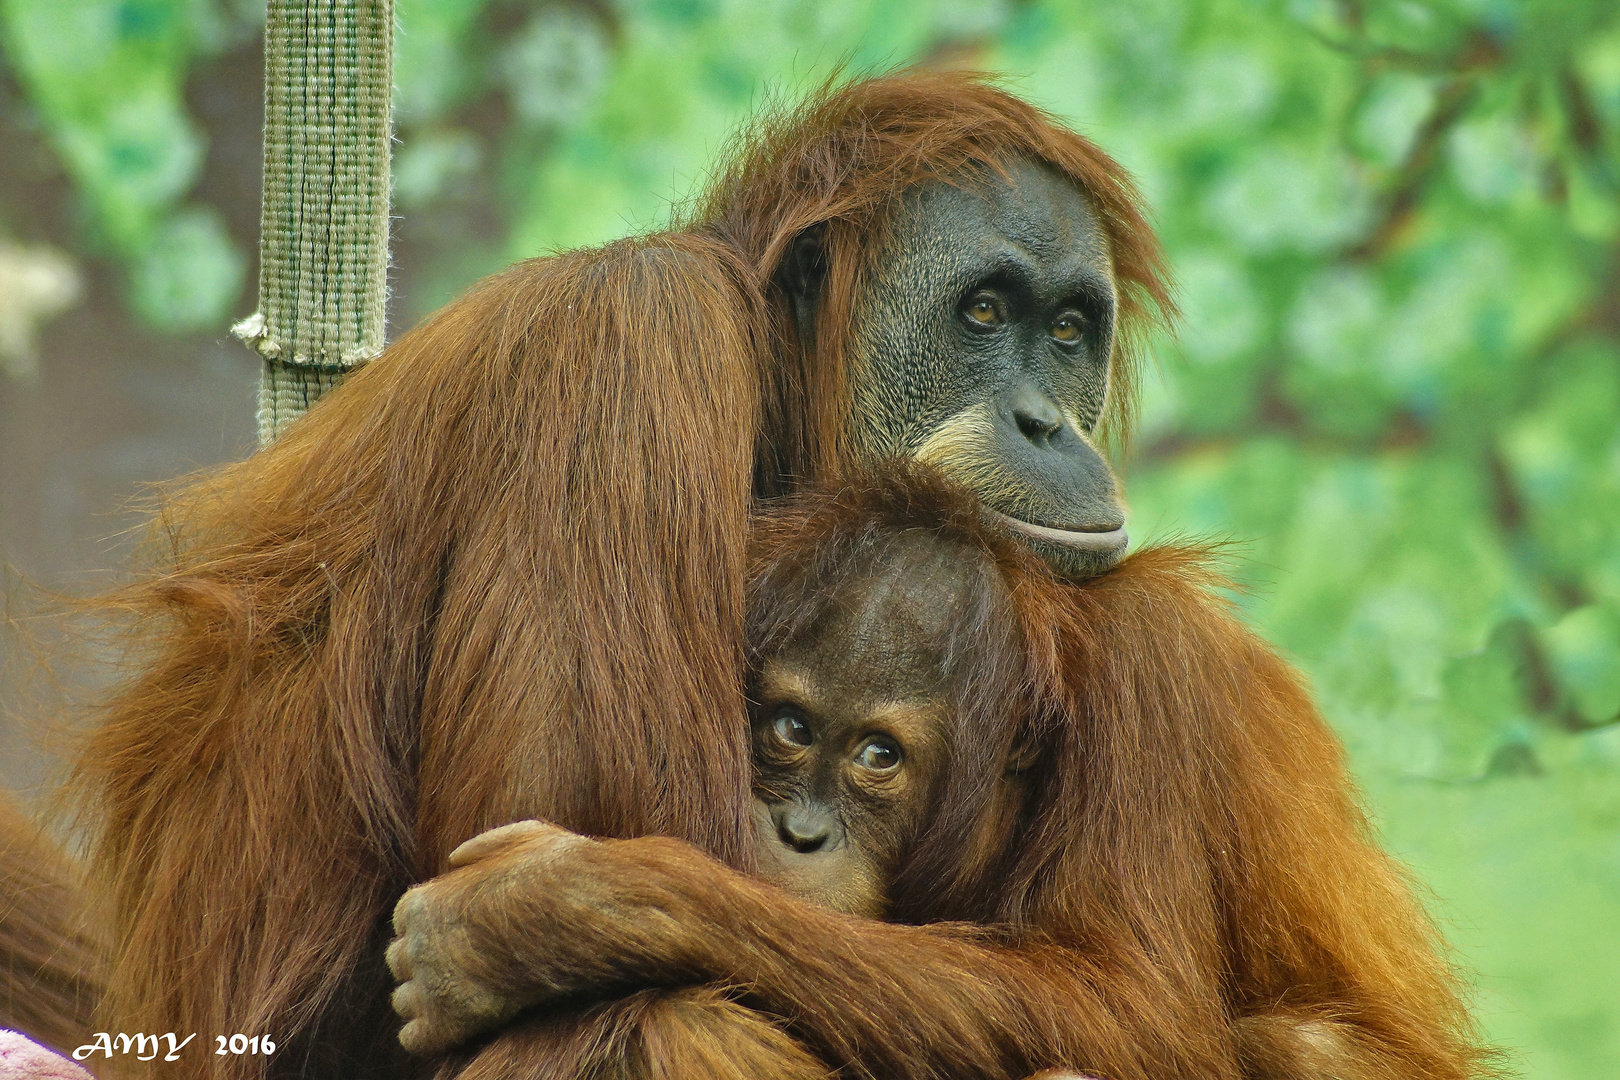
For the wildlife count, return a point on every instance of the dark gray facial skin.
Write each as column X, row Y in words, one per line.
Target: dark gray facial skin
column 850, row 740
column 983, row 341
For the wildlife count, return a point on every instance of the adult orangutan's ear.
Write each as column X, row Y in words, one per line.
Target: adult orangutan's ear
column 1025, row 751
column 800, row 276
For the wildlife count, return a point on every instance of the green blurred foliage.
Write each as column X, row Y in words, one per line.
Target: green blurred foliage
column 107, row 80
column 1396, row 392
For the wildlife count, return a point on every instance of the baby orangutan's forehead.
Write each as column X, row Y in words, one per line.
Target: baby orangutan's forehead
column 858, row 659
column 894, row 621
column 917, row 581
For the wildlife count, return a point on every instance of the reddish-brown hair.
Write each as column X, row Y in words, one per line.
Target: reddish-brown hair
column 497, row 574
column 49, row 966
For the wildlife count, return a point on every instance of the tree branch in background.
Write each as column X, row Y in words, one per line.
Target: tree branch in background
column 1400, row 202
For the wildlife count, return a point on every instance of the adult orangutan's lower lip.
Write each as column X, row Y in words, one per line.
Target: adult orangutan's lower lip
column 1112, row 540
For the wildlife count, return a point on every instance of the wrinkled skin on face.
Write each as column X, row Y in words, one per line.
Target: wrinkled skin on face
column 851, row 734
column 983, row 340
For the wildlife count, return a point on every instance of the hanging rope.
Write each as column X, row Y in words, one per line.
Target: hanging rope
column 323, row 227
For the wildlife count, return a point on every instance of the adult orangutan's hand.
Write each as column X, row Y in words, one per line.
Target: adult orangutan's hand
column 531, row 912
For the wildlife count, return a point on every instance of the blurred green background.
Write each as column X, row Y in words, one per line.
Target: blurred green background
column 1397, row 389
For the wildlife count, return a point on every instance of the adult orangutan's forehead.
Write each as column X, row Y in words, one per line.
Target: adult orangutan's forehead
column 1039, row 208
column 1030, row 221
column 1027, row 200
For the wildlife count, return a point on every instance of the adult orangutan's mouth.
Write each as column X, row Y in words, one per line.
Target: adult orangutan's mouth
column 1109, row 541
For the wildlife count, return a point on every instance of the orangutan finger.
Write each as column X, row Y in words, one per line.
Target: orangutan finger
column 422, row 1039
column 487, row 843
column 405, row 909
column 407, row 1000
column 399, row 960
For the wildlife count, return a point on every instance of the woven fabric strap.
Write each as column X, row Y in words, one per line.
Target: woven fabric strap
column 323, row 229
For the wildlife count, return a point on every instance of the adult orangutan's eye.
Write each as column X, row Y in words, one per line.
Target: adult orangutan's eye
column 1067, row 328
column 791, row 730
column 983, row 311
column 878, row 755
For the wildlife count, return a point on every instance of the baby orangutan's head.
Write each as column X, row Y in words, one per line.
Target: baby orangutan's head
column 885, row 695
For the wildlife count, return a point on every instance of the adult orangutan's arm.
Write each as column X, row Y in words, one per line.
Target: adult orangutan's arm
column 536, row 914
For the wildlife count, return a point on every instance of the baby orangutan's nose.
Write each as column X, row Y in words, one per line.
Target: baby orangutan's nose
column 803, row 828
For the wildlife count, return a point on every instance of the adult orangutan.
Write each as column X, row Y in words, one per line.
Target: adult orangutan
column 48, row 976
column 498, row 575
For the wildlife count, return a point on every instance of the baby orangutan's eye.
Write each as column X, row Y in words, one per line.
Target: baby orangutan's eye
column 878, row 755
column 790, row 729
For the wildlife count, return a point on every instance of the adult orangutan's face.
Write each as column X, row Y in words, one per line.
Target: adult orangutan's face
column 983, row 343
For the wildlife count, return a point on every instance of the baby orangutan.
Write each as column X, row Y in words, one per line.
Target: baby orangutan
column 885, row 683
column 992, row 836
column 858, row 722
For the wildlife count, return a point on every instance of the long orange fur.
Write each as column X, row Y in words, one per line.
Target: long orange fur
column 49, row 960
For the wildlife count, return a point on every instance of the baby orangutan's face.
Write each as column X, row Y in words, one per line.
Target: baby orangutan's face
column 850, row 742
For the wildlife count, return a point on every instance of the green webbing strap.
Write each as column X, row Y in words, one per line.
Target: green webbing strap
column 323, row 228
